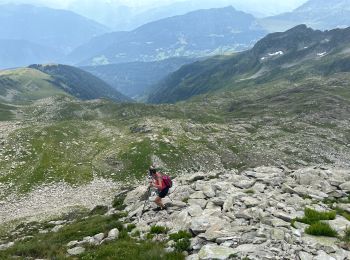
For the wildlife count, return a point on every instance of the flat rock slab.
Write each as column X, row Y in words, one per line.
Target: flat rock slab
column 209, row 252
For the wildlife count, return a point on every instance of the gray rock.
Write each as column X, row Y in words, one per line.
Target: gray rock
column 73, row 243
column 201, row 202
column 259, row 187
column 195, row 210
column 345, row 186
column 6, row 246
column 277, row 234
column 339, row 224
column 250, row 202
column 181, row 221
column 213, row 251
column 203, row 223
column 56, row 228
column 323, row 256
column 198, row 195
column 99, row 237
column 112, row 234
column 76, row 250
column 218, row 201
column 138, row 194
column 192, row 257
column 244, row 184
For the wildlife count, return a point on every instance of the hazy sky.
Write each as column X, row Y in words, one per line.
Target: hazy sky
column 135, row 3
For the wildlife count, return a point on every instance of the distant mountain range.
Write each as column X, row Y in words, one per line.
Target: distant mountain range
column 196, row 34
column 134, row 79
column 19, row 53
column 58, row 29
column 41, row 81
column 277, row 55
column 318, row 14
column 38, row 34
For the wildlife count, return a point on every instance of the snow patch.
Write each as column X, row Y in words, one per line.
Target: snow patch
column 276, row 53
column 321, row 54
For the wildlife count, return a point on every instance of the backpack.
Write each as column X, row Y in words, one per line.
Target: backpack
column 167, row 181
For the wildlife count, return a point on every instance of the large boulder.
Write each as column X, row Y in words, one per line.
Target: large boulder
column 138, row 194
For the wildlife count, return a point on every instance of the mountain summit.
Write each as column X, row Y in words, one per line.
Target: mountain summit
column 318, row 14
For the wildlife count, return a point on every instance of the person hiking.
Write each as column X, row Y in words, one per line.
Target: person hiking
column 162, row 183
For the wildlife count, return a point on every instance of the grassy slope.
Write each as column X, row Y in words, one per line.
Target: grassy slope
column 53, row 245
column 26, row 85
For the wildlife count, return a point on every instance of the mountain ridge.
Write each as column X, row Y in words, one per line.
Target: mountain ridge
column 198, row 33
column 276, row 51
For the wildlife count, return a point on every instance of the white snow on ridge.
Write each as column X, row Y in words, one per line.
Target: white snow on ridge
column 276, row 53
column 321, row 54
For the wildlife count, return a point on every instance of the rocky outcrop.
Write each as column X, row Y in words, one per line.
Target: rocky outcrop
column 249, row 214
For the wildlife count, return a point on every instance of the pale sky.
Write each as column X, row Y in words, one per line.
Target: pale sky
column 136, row 3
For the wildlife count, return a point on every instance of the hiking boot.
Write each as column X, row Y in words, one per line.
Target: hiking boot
column 157, row 209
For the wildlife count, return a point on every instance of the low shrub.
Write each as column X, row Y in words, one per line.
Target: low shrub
column 321, row 229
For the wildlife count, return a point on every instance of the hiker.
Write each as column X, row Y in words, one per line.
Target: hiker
column 162, row 183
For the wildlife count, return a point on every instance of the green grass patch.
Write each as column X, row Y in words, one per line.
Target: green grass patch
column 130, row 227
column 180, row 235
column 158, row 230
column 118, row 202
column 321, row 229
column 313, row 216
column 182, row 245
column 53, row 245
column 343, row 213
column 99, row 210
column 131, row 249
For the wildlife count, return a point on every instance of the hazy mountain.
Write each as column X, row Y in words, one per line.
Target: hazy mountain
column 196, row 34
column 135, row 78
column 58, row 29
column 270, row 57
column 17, row 53
column 318, row 14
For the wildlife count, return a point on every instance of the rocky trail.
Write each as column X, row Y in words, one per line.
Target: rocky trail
column 250, row 214
column 254, row 214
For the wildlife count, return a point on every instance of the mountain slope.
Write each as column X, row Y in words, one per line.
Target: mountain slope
column 19, row 53
column 135, row 79
column 42, row 81
column 318, row 14
column 199, row 33
column 79, row 83
column 275, row 53
column 59, row 30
